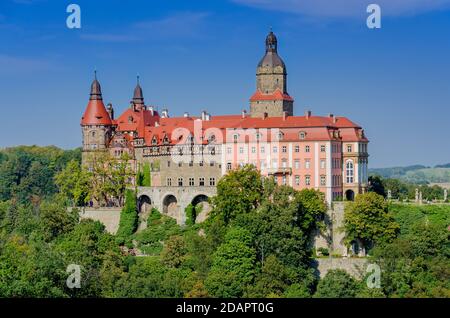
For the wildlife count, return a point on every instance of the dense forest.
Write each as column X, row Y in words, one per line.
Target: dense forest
column 255, row 243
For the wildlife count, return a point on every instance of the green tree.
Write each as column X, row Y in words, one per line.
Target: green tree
column 73, row 183
column 367, row 219
column 146, row 178
column 174, row 251
column 376, row 185
column 238, row 192
column 128, row 219
column 56, row 220
column 232, row 265
column 337, row 283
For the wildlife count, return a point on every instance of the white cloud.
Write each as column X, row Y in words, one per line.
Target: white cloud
column 347, row 8
column 14, row 64
column 179, row 24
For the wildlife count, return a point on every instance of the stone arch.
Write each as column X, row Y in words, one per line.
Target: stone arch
column 144, row 203
column 170, row 206
column 349, row 195
column 201, row 200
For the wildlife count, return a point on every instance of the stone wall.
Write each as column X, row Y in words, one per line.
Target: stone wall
column 333, row 237
column 354, row 266
column 110, row 217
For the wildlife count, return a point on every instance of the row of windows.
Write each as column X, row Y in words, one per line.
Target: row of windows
column 301, row 136
column 191, row 182
column 262, row 149
column 284, row 164
column 191, row 163
column 323, row 180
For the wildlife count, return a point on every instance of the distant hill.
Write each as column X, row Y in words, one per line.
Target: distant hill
column 416, row 173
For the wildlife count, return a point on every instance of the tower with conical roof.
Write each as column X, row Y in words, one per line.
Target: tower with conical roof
column 271, row 97
column 96, row 123
column 138, row 96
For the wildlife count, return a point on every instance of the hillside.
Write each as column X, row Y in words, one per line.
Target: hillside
column 416, row 173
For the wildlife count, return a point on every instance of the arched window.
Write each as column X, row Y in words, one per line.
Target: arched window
column 349, row 171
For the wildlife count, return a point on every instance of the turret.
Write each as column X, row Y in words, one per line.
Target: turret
column 96, row 121
column 271, row 95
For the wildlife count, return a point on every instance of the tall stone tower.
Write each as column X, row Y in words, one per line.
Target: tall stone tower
column 271, row 97
column 95, row 124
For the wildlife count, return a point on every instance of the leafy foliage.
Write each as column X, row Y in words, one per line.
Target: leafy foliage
column 367, row 219
column 128, row 219
column 337, row 284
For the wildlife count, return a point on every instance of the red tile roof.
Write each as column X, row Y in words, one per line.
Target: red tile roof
column 96, row 114
column 277, row 95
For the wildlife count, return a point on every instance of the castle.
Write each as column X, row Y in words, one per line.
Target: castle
column 189, row 154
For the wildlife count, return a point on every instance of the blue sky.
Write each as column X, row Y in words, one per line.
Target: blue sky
column 202, row 54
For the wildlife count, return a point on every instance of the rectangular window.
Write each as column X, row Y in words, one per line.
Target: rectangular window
column 275, row 149
column 253, row 149
column 168, row 164
column 191, row 182
column 180, row 164
column 283, row 180
column 228, row 165
column 191, row 163
column 200, row 163
column 297, row 180
column 274, row 163
column 262, row 149
column 284, row 149
column 212, row 163
column 322, row 148
column 307, row 164
column 349, row 148
column 169, row 182
column 297, row 164
column 323, row 181
column 297, row 148
column 308, row 180
column 180, row 182
column 212, row 182
column 229, row 150
column 241, row 149
column 201, row 182
column 322, row 164
column 307, row 148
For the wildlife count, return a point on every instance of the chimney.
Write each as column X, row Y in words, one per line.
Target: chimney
column 208, row 116
column 110, row 111
column 333, row 118
column 308, row 114
column 186, row 115
column 165, row 113
column 203, row 116
column 285, row 115
column 150, row 108
column 244, row 113
column 264, row 115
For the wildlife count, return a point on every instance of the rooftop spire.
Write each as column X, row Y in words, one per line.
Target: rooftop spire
column 96, row 90
column 271, row 42
column 138, row 96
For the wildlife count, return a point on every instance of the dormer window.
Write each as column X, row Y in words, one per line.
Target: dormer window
column 130, row 119
column 212, row 138
column 280, row 136
column 302, row 135
column 235, row 137
column 154, row 141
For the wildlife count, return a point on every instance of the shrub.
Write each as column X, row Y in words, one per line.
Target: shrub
column 128, row 219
